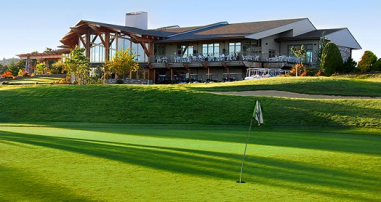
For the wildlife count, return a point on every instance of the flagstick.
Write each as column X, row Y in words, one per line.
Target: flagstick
column 247, row 141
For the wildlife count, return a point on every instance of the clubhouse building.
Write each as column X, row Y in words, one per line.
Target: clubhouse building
column 215, row 52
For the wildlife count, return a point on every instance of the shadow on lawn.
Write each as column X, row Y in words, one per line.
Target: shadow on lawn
column 329, row 139
column 20, row 186
column 268, row 171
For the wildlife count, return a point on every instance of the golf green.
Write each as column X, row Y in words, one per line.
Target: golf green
column 110, row 162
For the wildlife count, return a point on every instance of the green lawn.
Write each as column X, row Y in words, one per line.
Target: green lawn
column 108, row 162
column 179, row 143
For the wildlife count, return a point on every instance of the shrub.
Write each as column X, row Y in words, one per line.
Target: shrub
column 367, row 61
column 5, row 83
column 377, row 65
column 331, row 59
column 348, row 66
column 320, row 73
column 307, row 73
column 119, row 81
column 7, row 75
column 75, row 82
column 298, row 67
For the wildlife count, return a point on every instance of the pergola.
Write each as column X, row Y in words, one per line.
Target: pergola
column 55, row 55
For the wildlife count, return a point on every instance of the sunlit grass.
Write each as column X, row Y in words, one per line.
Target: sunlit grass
column 40, row 80
column 100, row 162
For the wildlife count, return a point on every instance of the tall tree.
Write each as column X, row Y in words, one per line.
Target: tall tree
column 13, row 68
column 300, row 53
column 322, row 43
column 331, row 59
column 77, row 64
column 122, row 63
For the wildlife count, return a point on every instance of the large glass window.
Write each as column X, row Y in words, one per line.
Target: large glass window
column 212, row 49
column 251, row 47
column 235, row 48
column 309, row 52
column 159, row 50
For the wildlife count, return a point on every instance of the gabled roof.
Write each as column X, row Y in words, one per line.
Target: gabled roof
column 236, row 30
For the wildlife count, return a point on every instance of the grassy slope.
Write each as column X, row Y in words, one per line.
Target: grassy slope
column 103, row 162
column 174, row 105
column 308, row 85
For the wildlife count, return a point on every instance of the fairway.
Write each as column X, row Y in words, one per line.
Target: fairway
column 111, row 162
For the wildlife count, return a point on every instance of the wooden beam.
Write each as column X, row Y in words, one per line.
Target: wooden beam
column 107, row 45
column 99, row 33
column 145, row 48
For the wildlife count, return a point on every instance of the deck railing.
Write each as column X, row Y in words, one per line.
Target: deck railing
column 200, row 59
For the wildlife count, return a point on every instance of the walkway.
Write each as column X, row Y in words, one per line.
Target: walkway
column 285, row 94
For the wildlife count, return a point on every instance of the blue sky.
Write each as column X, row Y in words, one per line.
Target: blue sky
column 28, row 26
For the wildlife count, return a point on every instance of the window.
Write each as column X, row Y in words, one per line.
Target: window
column 235, row 48
column 309, row 54
column 159, row 50
column 271, row 53
column 212, row 49
column 251, row 47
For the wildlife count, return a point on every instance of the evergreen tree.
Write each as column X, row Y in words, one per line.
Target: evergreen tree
column 367, row 61
column 331, row 59
column 322, row 43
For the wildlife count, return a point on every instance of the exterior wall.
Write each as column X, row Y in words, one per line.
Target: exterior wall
column 345, row 52
column 344, row 38
column 271, row 45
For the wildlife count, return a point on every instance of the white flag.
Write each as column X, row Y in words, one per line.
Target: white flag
column 258, row 113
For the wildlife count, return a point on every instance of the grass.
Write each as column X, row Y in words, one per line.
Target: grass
column 40, row 80
column 111, row 162
column 174, row 105
column 308, row 85
column 178, row 143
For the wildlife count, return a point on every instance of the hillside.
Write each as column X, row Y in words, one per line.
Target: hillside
column 5, row 61
column 174, row 105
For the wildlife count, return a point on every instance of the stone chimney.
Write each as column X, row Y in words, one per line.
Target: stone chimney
column 137, row 20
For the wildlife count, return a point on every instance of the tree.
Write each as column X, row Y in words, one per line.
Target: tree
column 3, row 68
column 348, row 66
column 299, row 53
column 331, row 59
column 122, row 63
column 367, row 61
column 40, row 67
column 77, row 64
column 377, row 65
column 322, row 43
column 13, row 68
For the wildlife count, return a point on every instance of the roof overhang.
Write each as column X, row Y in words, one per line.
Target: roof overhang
column 53, row 55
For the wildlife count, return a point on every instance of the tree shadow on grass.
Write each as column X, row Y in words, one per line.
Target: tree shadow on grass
column 329, row 139
column 18, row 185
column 267, row 171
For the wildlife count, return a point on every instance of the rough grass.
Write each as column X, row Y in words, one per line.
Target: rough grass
column 308, row 85
column 174, row 105
column 103, row 162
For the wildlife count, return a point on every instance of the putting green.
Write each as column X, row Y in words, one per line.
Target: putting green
column 86, row 162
